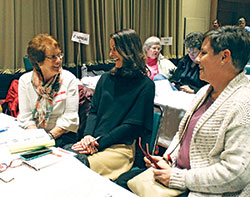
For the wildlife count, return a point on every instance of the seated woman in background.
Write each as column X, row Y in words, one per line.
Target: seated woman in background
column 210, row 152
column 121, row 109
column 48, row 95
column 215, row 24
column 187, row 77
column 158, row 65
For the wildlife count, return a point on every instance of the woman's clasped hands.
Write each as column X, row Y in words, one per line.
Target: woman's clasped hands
column 161, row 175
column 87, row 145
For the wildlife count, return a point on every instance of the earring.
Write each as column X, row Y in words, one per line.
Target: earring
column 222, row 62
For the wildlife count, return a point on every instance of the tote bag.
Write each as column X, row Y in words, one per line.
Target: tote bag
column 144, row 185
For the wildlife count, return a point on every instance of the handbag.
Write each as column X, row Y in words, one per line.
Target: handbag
column 144, row 185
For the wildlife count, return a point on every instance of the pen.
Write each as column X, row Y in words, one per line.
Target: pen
column 93, row 140
column 3, row 130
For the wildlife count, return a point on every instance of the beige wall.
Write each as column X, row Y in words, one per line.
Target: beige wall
column 196, row 13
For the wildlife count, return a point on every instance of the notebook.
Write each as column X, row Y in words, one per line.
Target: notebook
column 20, row 140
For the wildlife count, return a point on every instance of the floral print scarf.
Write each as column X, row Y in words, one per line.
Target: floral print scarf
column 46, row 92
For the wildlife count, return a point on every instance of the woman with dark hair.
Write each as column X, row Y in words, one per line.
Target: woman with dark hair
column 121, row 109
column 210, row 152
column 48, row 95
column 186, row 77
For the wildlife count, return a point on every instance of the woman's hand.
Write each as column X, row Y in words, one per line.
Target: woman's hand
column 57, row 132
column 149, row 164
column 31, row 127
column 187, row 89
column 87, row 145
column 163, row 175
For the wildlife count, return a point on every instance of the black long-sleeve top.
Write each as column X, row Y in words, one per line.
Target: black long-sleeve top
column 187, row 75
column 121, row 109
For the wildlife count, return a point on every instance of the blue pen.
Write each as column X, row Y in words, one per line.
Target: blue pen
column 3, row 130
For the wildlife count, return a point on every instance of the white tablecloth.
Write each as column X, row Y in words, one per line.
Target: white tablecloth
column 174, row 104
column 65, row 178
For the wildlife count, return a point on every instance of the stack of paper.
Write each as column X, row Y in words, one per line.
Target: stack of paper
column 20, row 140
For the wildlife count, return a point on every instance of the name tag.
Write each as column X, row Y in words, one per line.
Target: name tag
column 60, row 96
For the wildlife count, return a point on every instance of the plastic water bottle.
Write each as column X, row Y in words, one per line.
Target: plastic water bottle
column 84, row 70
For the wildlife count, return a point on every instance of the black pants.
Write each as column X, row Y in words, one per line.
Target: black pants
column 66, row 138
column 81, row 157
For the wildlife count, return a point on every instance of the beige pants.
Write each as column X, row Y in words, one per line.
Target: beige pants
column 113, row 161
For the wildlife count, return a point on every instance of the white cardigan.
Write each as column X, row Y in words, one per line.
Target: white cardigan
column 165, row 66
column 220, row 145
column 65, row 110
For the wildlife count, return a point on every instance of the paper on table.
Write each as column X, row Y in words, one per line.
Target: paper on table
column 6, row 121
column 19, row 140
column 6, row 156
column 57, row 155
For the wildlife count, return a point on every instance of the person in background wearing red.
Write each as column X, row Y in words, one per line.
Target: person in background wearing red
column 158, row 65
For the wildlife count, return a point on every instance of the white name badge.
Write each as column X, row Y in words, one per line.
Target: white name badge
column 60, row 96
column 80, row 37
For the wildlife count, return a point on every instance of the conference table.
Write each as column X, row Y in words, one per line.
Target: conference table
column 66, row 178
column 174, row 105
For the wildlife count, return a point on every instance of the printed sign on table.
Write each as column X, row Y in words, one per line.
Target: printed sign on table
column 80, row 37
column 166, row 40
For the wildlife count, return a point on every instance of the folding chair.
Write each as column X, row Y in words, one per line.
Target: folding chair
column 152, row 140
column 158, row 111
column 27, row 64
column 136, row 169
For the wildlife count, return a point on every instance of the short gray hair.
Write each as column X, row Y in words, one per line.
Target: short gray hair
column 194, row 40
column 151, row 41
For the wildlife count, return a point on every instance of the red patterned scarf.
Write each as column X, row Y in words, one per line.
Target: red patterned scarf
column 46, row 92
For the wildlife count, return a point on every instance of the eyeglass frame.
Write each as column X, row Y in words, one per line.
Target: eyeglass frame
column 7, row 181
column 156, row 48
column 54, row 57
column 193, row 52
column 148, row 156
column 10, row 166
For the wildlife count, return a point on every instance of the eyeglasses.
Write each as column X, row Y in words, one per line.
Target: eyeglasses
column 148, row 156
column 13, row 164
column 54, row 57
column 193, row 52
column 156, row 48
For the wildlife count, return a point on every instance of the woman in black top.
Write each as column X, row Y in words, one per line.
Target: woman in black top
column 187, row 77
column 121, row 109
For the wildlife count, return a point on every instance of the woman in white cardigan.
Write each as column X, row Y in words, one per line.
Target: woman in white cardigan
column 160, row 67
column 210, row 152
